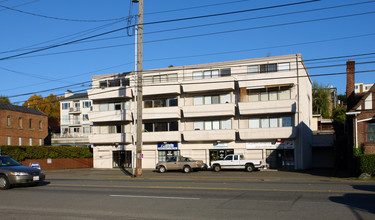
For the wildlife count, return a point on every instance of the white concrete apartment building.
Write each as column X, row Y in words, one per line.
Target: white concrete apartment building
column 261, row 108
column 74, row 120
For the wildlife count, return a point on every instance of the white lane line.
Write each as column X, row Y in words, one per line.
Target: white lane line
column 154, row 197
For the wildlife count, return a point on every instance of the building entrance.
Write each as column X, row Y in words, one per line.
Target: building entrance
column 122, row 158
column 280, row 159
column 219, row 154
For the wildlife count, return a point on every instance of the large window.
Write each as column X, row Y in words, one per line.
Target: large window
column 207, row 74
column 268, row 68
column 212, row 99
column 157, row 103
column 269, row 94
column 114, row 83
column 213, row 125
column 370, row 132
column 65, row 106
column 161, row 126
column 114, row 106
column 163, row 78
column 86, row 104
column 270, row 122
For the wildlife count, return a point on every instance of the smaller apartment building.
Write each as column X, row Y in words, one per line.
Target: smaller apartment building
column 74, row 120
column 22, row 126
column 257, row 107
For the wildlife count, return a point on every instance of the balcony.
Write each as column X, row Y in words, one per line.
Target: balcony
column 165, row 136
column 108, row 116
column 120, row 138
column 208, row 85
column 161, row 89
column 74, row 110
column 161, row 113
column 75, row 123
column 195, row 111
column 267, row 107
column 210, row 135
column 267, row 133
column 109, row 93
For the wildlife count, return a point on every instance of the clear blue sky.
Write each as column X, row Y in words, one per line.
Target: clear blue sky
column 31, row 24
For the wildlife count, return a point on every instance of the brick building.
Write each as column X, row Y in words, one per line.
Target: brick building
column 22, row 126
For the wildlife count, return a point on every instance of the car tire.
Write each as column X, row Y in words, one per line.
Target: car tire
column 4, row 182
column 162, row 169
column 186, row 169
column 249, row 168
column 217, row 168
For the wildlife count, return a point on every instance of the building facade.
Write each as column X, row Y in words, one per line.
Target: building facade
column 22, row 126
column 261, row 108
column 74, row 120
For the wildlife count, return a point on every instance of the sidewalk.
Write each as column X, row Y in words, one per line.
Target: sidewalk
column 149, row 174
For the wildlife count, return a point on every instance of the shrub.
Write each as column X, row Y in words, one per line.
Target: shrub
column 367, row 164
column 20, row 153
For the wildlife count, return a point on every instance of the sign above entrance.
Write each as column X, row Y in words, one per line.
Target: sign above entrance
column 285, row 144
column 168, row 146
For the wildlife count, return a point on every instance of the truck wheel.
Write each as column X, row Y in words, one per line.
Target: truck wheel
column 249, row 168
column 186, row 169
column 217, row 168
column 162, row 169
column 4, row 182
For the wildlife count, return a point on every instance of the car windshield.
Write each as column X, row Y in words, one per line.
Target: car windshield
column 8, row 162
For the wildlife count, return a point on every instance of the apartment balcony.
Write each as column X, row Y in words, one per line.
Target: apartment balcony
column 120, row 138
column 74, row 123
column 267, row 133
column 208, row 85
column 75, row 110
column 109, row 93
column 161, row 89
column 108, row 116
column 267, row 107
column 195, row 111
column 210, row 135
column 161, row 113
column 164, row 136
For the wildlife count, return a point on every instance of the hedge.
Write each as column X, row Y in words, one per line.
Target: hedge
column 20, row 153
column 367, row 164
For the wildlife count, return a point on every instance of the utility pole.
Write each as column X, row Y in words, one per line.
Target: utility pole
column 139, row 87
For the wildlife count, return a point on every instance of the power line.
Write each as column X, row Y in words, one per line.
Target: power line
column 61, row 19
column 26, row 3
column 116, row 30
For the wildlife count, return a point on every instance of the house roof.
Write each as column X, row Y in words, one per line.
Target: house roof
column 76, row 96
column 362, row 98
column 20, row 109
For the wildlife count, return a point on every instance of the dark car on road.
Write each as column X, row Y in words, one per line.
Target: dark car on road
column 14, row 173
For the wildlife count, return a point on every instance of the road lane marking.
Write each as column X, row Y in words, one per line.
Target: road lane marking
column 154, row 197
column 218, row 188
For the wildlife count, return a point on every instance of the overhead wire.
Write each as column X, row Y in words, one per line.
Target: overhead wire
column 26, row 3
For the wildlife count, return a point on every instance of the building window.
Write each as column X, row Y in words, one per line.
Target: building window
column 161, row 126
column 85, row 117
column 40, row 124
column 40, row 142
column 65, row 106
column 283, row 66
column 269, row 94
column 20, row 123
column 268, row 68
column 86, row 104
column 9, row 141
column 114, row 106
column 212, row 99
column 86, row 130
column 30, row 141
column 213, row 125
column 9, row 121
column 20, row 141
column 370, row 132
column 30, row 123
column 270, row 122
column 253, row 69
column 157, row 103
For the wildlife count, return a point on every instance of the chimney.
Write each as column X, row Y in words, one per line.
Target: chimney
column 68, row 93
column 350, row 70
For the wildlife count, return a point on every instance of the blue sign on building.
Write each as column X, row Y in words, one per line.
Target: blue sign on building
column 168, row 146
column 35, row 165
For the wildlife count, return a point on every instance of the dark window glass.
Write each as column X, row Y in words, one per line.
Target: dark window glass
column 103, row 84
column 225, row 72
column 148, row 103
column 158, row 103
column 173, row 126
column 173, row 102
column 215, row 99
column 272, row 67
column 149, row 127
column 125, row 82
column 161, row 126
column 263, row 68
column 117, row 106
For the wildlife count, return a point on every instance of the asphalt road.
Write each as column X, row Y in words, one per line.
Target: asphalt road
column 109, row 194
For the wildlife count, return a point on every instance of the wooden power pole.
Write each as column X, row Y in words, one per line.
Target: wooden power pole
column 139, row 89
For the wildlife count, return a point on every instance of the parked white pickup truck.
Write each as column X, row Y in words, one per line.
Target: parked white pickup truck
column 235, row 161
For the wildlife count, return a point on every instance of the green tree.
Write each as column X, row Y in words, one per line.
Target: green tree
column 321, row 96
column 4, row 99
